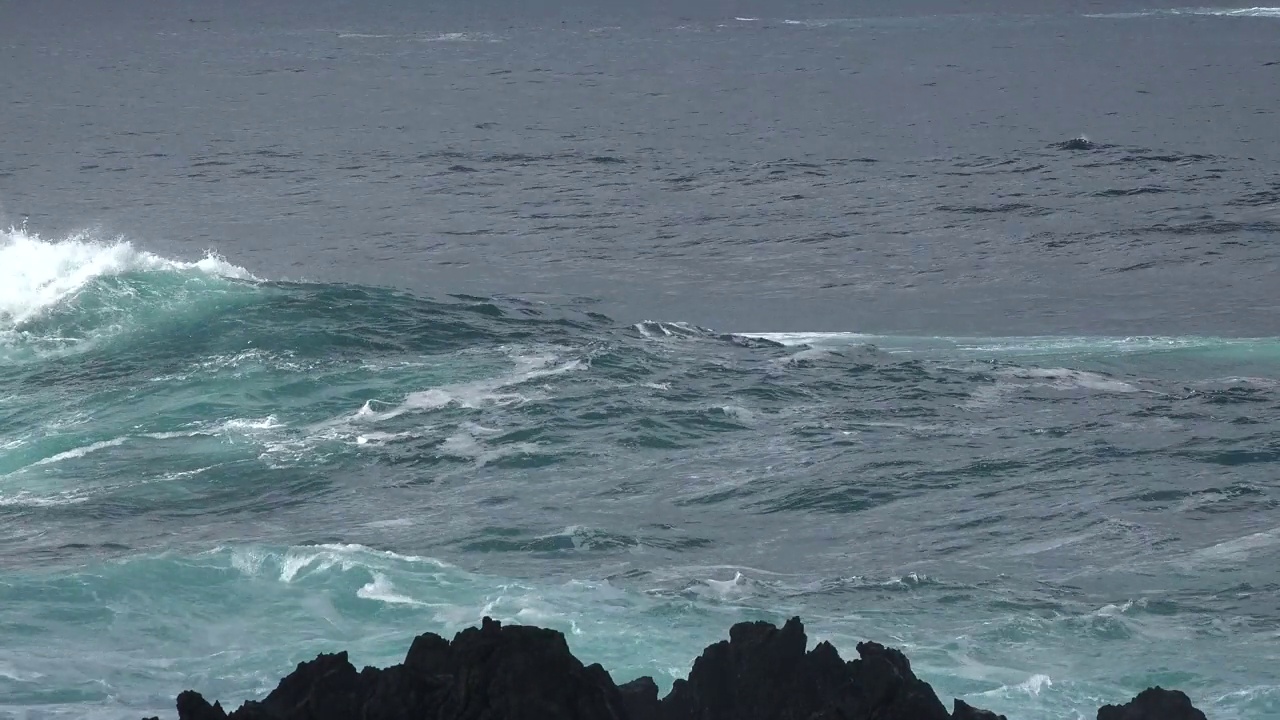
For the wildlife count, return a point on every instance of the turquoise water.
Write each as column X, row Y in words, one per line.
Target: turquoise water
column 207, row 476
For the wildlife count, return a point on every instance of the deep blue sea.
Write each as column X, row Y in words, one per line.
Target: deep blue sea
column 953, row 326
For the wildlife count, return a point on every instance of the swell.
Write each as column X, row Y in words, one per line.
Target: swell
column 612, row 469
column 82, row 291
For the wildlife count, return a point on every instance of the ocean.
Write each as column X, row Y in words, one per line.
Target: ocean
column 953, row 326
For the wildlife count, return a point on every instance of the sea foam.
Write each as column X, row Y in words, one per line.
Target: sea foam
column 37, row 274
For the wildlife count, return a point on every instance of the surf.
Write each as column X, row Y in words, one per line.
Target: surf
column 57, row 293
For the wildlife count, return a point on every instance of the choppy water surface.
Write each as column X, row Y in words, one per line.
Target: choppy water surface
column 636, row 325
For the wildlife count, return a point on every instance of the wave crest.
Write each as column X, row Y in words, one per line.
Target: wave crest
column 38, row 274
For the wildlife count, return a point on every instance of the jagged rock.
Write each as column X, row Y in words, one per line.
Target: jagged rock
column 760, row 672
column 965, row 711
column 1153, row 704
column 524, row 673
column 486, row 673
column 518, row 672
column 192, row 705
column 640, row 698
column 764, row 673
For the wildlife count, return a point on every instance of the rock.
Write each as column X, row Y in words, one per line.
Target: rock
column 764, row 673
column 965, row 711
column 640, row 699
column 486, row 673
column 194, row 707
column 497, row 672
column 758, row 673
column 523, row 673
column 1153, row 704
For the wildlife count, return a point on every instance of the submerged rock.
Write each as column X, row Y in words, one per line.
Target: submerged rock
column 516, row 672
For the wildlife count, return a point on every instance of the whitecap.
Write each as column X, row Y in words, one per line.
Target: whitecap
column 1238, row 549
column 381, row 589
column 247, row 424
column 470, row 395
column 26, row 499
column 466, row 446
column 13, row 673
column 1066, row 378
column 655, row 329
column 1032, row 686
column 461, row 37
column 1253, row 12
column 36, row 274
column 80, row 451
column 794, row 339
column 725, row 589
column 379, row 438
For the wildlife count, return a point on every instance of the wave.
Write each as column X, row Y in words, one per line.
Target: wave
column 1258, row 12
column 56, row 294
column 318, row 597
column 36, row 274
column 1017, row 346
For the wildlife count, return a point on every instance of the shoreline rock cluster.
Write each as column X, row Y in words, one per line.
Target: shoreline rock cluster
column 519, row 672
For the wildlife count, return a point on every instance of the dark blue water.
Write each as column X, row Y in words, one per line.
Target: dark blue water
column 952, row 327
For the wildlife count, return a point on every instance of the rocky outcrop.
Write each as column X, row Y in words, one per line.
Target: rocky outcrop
column 516, row 672
column 1153, row 704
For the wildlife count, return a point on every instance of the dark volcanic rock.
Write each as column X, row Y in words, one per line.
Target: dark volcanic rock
column 764, row 673
column 527, row 673
column 965, row 711
column 1153, row 704
column 486, row 673
column 640, row 698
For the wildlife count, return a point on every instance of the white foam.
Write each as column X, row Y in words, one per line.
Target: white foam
column 1238, row 549
column 382, row 590
column 294, row 563
column 252, row 561
column 1041, row 546
column 461, row 37
column 248, row 424
column 14, row 443
column 795, row 339
column 464, row 444
column 378, row 438
column 1066, row 379
column 1259, row 12
column 1111, row 609
column 172, row 435
column 474, row 394
column 724, row 589
column 1032, row 686
column 36, row 274
column 809, row 354
column 737, row 412
column 80, row 451
column 9, row 671
column 248, row 560
column 1035, row 684
column 391, row 523
column 26, row 499
column 1013, row 345
column 654, row 329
